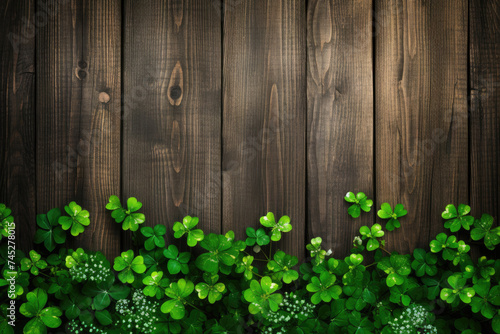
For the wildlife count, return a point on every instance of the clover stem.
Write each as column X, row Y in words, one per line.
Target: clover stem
column 194, row 307
column 253, row 272
column 371, row 264
column 385, row 250
column 270, row 250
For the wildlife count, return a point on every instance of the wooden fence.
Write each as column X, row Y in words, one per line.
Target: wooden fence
column 227, row 110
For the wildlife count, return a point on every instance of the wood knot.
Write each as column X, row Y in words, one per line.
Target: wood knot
column 82, row 64
column 104, row 97
column 81, row 74
column 175, row 92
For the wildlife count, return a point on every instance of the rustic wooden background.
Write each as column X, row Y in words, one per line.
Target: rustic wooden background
column 227, row 110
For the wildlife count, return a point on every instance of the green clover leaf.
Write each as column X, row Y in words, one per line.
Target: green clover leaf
column 74, row 303
column 424, row 263
column 220, row 252
column 459, row 289
column 386, row 213
column 262, row 297
column 398, row 267
column 245, row 266
column 457, row 219
column 260, row 237
column 49, row 231
column 315, row 250
column 154, row 236
column 41, row 317
column 486, row 299
column 483, row 230
column 34, row 263
column 283, row 225
column 155, row 284
column 5, row 220
column 130, row 218
column 281, row 267
column 77, row 219
column 361, row 202
column 102, row 292
column 372, row 234
column 20, row 279
column 211, row 288
column 76, row 258
column 186, row 227
column 177, row 262
column 126, row 264
column 324, row 288
column 178, row 292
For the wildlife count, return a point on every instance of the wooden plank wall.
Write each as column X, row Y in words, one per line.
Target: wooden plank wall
column 229, row 109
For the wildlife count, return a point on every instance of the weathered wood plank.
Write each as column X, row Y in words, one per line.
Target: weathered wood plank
column 340, row 117
column 485, row 102
column 17, row 116
column 172, row 110
column 78, row 116
column 421, row 113
column 264, row 116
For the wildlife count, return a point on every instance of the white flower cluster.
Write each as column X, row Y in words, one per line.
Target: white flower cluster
column 413, row 320
column 140, row 317
column 93, row 269
column 79, row 327
column 292, row 308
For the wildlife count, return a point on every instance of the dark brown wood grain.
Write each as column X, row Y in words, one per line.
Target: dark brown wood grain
column 340, row 118
column 172, row 110
column 264, row 116
column 17, row 116
column 485, row 104
column 421, row 113
column 78, row 114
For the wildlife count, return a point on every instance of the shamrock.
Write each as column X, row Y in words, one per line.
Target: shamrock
column 49, row 231
column 77, row 219
column 354, row 273
column 361, row 202
column 372, row 235
column 35, row 263
column 74, row 303
column 445, row 243
column 358, row 324
column 76, row 258
column 386, row 213
column 177, row 262
column 457, row 218
column 483, row 230
column 260, row 237
column 126, row 264
column 281, row 267
column 397, row 267
column 220, row 251
column 41, row 317
column 487, row 299
column 314, row 248
column 152, row 259
column 424, row 263
column 245, row 267
column 6, row 220
column 186, row 227
column 102, row 292
column 19, row 278
column 434, row 284
column 154, row 236
column 283, row 225
column 459, row 288
column 400, row 294
column 324, row 288
column 61, row 286
column 262, row 297
column 211, row 288
column 178, row 292
column 155, row 284
column 130, row 218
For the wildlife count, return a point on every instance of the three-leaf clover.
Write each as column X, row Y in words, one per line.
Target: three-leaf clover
column 34, row 263
column 361, row 202
column 178, row 292
column 130, row 218
column 74, row 304
column 5, row 220
column 220, row 251
column 77, row 219
column 459, row 289
column 42, row 317
column 211, row 288
column 424, row 263
column 177, row 262
column 398, row 267
column 102, row 292
column 372, row 234
column 154, row 236
column 283, row 225
column 126, row 264
column 76, row 258
column 49, row 231
column 186, row 227
column 487, row 300
column 260, row 237
column 315, row 250
column 281, row 267
column 245, row 267
column 155, row 284
column 457, row 218
column 324, row 288
column 483, row 230
column 262, row 297
column 386, row 212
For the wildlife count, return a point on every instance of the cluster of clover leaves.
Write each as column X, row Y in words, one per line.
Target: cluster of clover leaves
column 218, row 283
